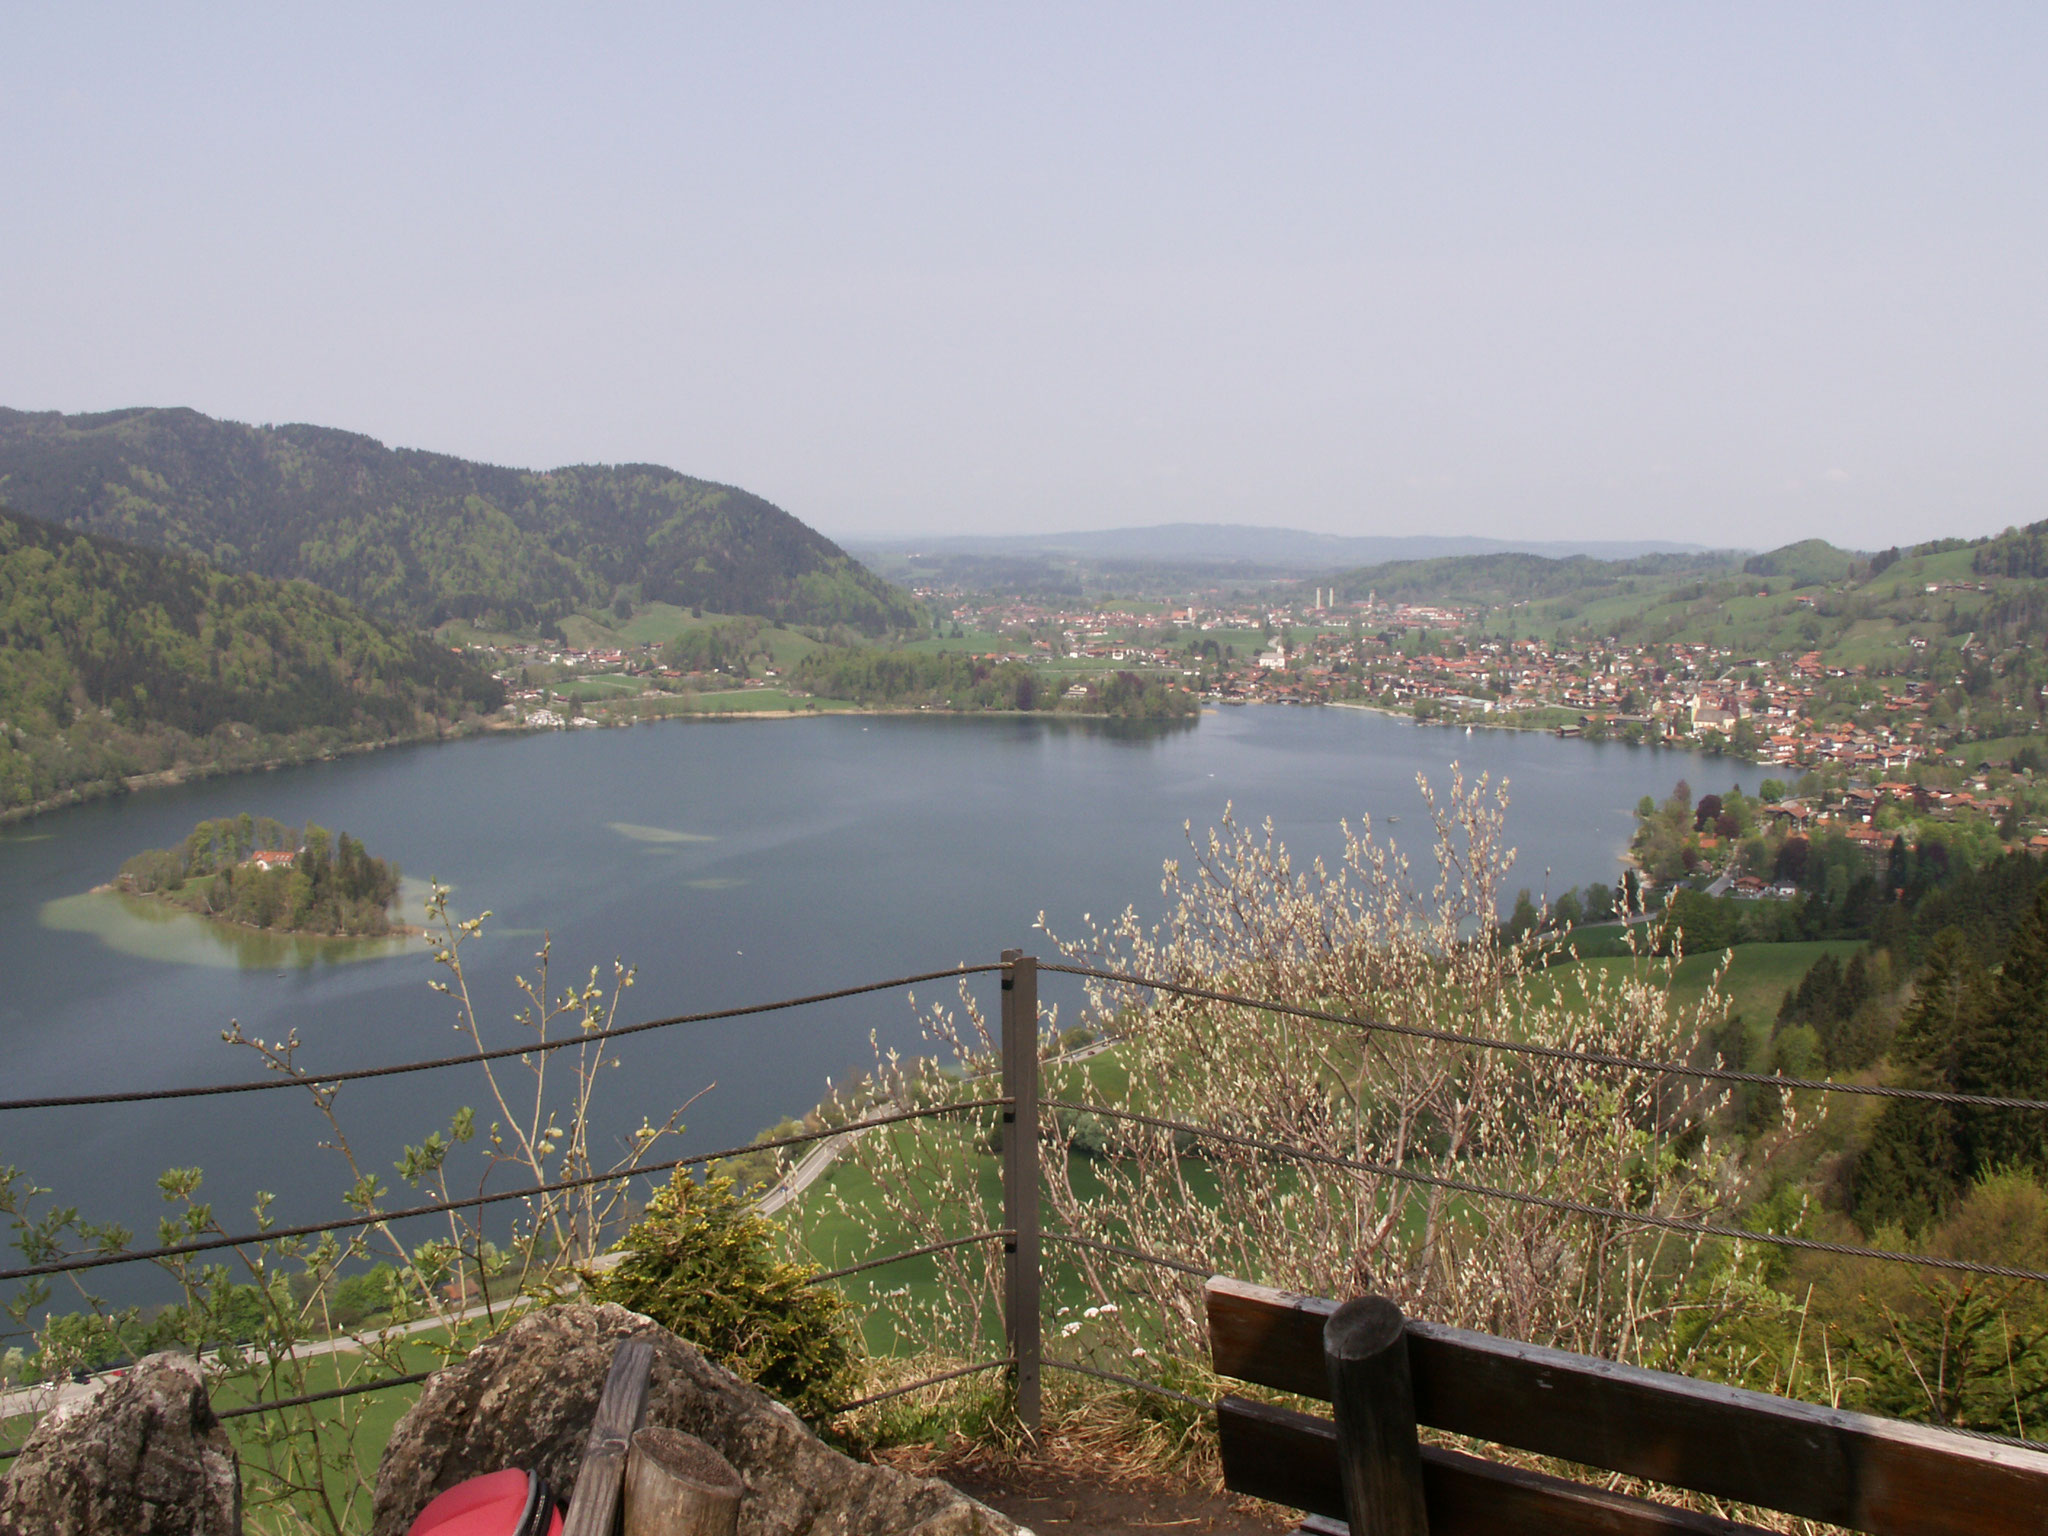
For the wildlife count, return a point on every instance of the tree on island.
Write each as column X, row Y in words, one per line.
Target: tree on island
column 264, row 874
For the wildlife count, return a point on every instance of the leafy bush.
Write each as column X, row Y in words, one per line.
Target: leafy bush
column 1362, row 1116
column 703, row 1265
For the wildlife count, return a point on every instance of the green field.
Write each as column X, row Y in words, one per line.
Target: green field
column 600, row 687
column 1758, row 976
column 833, row 1239
column 734, row 701
column 1817, row 605
column 462, row 632
column 737, row 701
column 973, row 641
column 368, row 1417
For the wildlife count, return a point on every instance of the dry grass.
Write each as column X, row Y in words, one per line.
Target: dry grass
column 1095, row 1428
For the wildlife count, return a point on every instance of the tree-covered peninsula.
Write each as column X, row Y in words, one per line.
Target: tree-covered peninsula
column 899, row 679
column 263, row 874
column 117, row 661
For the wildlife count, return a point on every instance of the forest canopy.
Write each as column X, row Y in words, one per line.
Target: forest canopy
column 419, row 538
column 949, row 680
column 116, row 660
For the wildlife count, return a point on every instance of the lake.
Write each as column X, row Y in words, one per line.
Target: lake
column 729, row 862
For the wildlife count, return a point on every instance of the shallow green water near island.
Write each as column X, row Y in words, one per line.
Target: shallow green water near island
column 149, row 929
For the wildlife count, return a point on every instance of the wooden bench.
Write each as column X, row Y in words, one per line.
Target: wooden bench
column 1386, row 1374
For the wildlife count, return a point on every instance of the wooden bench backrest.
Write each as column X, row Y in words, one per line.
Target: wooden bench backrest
column 1845, row 1469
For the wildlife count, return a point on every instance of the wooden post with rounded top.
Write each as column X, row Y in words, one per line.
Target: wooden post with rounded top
column 1021, row 1250
column 1365, row 1351
column 676, row 1485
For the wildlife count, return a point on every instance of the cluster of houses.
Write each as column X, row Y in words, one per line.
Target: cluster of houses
column 515, row 658
column 1853, row 813
column 531, row 706
column 1780, row 710
column 1768, row 706
column 1673, row 692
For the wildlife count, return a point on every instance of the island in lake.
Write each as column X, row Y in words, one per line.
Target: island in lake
column 260, row 873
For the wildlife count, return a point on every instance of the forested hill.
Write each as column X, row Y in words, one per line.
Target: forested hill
column 422, row 537
column 117, row 660
column 1512, row 576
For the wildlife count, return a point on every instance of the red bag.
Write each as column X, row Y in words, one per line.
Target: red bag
column 508, row 1503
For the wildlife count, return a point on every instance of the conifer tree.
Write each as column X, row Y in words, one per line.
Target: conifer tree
column 1817, row 998
column 2006, row 1054
column 1916, row 1161
column 1855, row 983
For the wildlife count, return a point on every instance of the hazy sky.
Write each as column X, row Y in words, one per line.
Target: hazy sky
column 1726, row 273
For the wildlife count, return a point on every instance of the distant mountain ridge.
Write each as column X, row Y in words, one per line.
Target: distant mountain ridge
column 1244, row 544
column 422, row 537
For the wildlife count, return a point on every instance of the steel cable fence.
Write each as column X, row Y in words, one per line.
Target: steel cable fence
column 301, row 1079
column 303, row 1400
column 1022, row 1095
column 928, row 1381
column 285, row 1079
column 1551, row 1052
column 1548, row 1202
column 472, row 1202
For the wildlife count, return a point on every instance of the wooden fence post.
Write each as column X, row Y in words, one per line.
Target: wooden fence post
column 1365, row 1351
column 594, row 1507
column 1020, row 1178
column 676, row 1485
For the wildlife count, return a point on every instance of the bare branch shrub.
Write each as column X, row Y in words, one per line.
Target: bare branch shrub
column 1389, row 1136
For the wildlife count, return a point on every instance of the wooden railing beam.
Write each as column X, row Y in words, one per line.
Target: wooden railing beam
column 1824, row 1464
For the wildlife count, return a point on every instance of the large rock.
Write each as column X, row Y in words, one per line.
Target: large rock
column 526, row 1398
column 144, row 1458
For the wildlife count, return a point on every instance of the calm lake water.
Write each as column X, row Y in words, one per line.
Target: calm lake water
column 730, row 863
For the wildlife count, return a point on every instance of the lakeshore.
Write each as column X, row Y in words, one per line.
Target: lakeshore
column 197, row 772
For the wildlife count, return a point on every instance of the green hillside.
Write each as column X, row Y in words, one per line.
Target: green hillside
column 1894, row 610
column 1514, row 577
column 117, row 660
column 1907, row 654
column 1808, row 560
column 421, row 538
column 1897, row 609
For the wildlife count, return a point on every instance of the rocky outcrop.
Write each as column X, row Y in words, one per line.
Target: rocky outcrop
column 525, row 1399
column 144, row 1458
